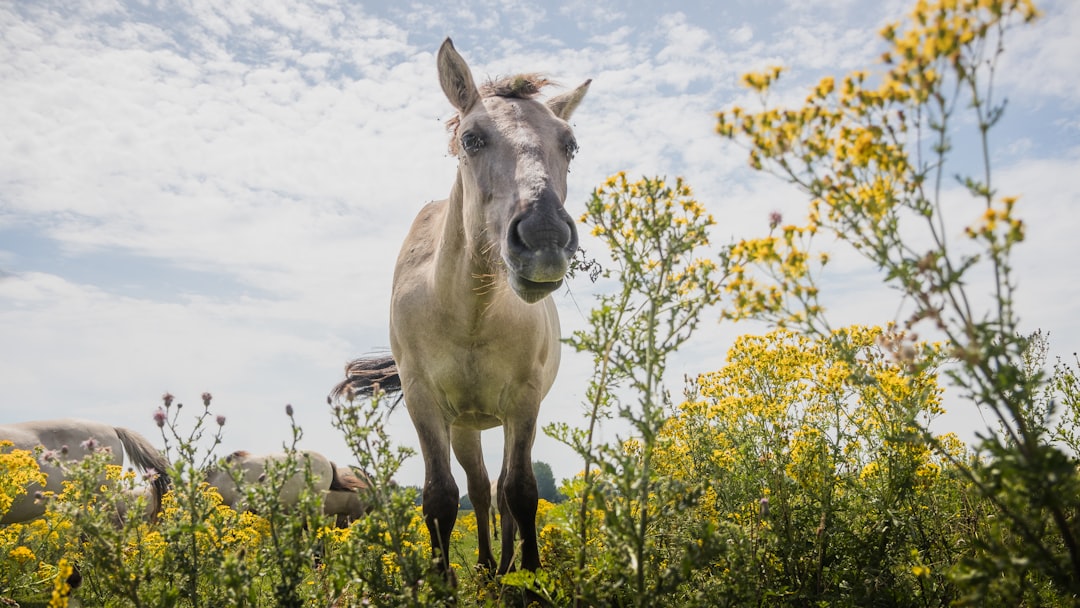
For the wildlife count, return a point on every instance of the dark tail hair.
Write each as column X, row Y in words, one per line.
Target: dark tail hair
column 366, row 375
column 348, row 480
column 149, row 459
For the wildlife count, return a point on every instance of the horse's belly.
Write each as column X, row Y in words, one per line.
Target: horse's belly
column 476, row 420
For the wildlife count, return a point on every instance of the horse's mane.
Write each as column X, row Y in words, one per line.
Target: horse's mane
column 518, row 86
column 216, row 465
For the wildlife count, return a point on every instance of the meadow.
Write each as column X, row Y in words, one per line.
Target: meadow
column 804, row 472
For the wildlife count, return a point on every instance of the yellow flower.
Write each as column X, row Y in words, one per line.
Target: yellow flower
column 61, row 588
column 23, row 555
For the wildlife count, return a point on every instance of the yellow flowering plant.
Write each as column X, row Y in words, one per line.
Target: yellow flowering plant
column 873, row 154
column 386, row 554
column 654, row 231
column 27, row 550
column 808, row 460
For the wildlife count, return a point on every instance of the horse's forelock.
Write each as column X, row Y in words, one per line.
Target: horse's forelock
column 519, row 86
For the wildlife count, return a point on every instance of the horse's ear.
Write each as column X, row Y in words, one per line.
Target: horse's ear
column 456, row 78
column 564, row 105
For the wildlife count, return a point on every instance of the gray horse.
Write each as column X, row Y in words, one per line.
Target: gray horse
column 72, row 440
column 339, row 488
column 474, row 337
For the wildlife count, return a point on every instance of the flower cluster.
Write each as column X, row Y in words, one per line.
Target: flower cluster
column 869, row 151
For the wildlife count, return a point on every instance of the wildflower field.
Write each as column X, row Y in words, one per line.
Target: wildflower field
column 804, row 472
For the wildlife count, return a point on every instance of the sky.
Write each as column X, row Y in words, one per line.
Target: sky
column 209, row 196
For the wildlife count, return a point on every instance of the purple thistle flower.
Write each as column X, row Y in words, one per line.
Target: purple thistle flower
column 168, row 399
column 90, row 444
column 206, row 397
column 774, row 219
column 220, row 420
column 159, row 418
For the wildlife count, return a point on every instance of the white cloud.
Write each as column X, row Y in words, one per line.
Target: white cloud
column 274, row 154
column 742, row 34
column 1039, row 60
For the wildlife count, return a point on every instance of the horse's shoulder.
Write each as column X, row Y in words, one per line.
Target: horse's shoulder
column 418, row 249
column 432, row 207
column 428, row 219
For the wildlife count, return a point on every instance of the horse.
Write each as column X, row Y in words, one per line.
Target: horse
column 474, row 337
column 70, row 440
column 339, row 489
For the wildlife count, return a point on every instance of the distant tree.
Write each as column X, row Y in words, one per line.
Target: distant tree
column 545, row 483
column 545, row 486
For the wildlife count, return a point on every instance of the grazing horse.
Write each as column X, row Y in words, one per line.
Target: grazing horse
column 71, row 440
column 345, row 498
column 474, row 338
column 339, row 489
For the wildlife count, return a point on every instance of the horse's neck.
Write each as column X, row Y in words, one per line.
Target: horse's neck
column 463, row 263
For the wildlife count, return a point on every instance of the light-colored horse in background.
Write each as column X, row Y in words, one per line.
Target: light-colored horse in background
column 339, row 489
column 72, row 440
column 474, row 337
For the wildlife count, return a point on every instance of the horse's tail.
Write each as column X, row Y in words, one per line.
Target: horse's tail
column 366, row 375
column 149, row 459
column 347, row 480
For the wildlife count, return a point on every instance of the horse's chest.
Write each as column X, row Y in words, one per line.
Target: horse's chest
column 474, row 381
column 468, row 358
column 483, row 372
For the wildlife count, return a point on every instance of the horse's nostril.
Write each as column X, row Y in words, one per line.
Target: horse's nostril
column 542, row 228
column 515, row 236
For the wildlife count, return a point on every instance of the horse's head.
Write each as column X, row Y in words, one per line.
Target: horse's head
column 514, row 153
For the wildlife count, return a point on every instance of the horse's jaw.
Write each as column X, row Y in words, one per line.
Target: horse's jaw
column 534, row 273
column 532, row 291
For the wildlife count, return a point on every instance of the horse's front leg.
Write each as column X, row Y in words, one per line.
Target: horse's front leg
column 440, row 491
column 520, row 495
column 470, row 454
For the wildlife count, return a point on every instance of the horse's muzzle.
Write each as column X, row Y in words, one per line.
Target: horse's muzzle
column 539, row 245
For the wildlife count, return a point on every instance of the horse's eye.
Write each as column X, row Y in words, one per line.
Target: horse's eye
column 571, row 149
column 471, row 142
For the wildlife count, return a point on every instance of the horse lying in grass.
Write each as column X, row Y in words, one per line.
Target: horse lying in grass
column 340, row 489
column 71, row 440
